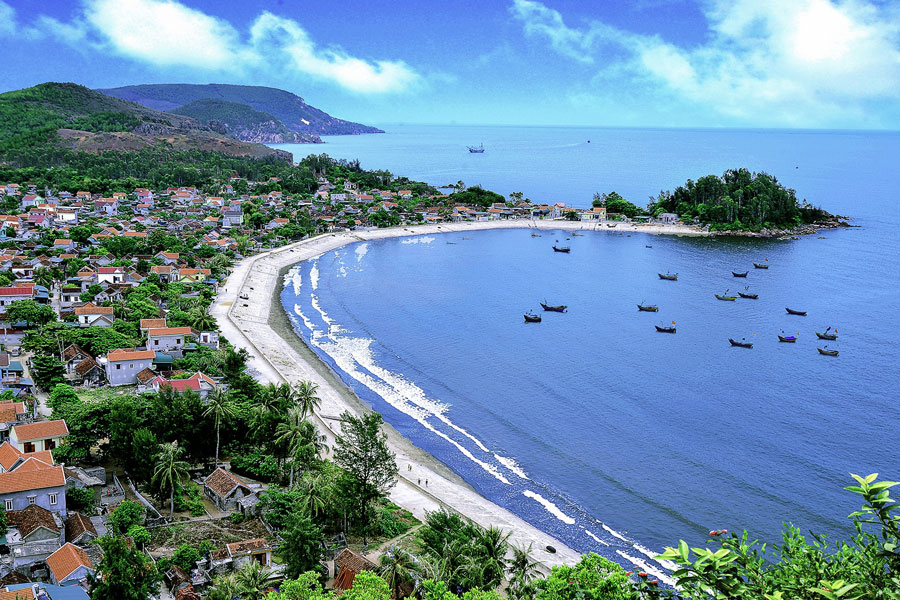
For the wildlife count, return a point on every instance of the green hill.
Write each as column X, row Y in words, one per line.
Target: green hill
column 243, row 122
column 71, row 116
column 297, row 115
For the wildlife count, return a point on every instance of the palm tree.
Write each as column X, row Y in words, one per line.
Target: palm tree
column 314, row 493
column 220, row 407
column 522, row 569
column 398, row 568
column 491, row 545
column 201, row 320
column 226, row 588
column 170, row 471
column 296, row 433
column 307, row 398
column 252, row 580
column 120, row 308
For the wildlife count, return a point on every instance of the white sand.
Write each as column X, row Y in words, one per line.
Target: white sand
column 245, row 322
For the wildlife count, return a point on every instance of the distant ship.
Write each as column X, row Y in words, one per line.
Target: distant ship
column 479, row 149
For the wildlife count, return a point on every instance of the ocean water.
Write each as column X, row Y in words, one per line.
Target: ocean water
column 591, row 425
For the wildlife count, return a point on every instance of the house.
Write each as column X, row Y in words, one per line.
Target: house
column 226, row 490
column 89, row 371
column 247, row 551
column 11, row 458
column 276, row 223
column 210, row 339
column 35, row 533
column 667, row 219
column 198, row 383
column 148, row 324
column 91, row 315
column 164, row 339
column 79, row 530
column 110, row 275
column 347, row 565
column 8, row 295
column 168, row 258
column 64, row 244
column 44, row 590
column 69, row 565
column 193, row 275
column 34, row 482
column 73, row 355
column 166, row 273
column 42, row 435
column 122, row 365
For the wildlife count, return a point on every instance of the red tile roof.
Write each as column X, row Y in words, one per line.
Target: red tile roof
column 64, row 561
column 32, row 480
column 129, row 354
column 40, row 430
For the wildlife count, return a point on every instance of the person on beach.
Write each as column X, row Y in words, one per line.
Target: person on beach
column 420, row 482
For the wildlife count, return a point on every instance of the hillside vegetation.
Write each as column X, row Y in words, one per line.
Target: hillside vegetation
column 242, row 122
column 290, row 109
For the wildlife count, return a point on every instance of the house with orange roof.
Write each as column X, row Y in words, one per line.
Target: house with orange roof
column 165, row 339
column 70, row 565
column 41, row 435
column 34, row 482
column 91, row 315
column 123, row 365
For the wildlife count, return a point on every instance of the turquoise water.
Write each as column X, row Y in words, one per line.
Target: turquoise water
column 592, row 425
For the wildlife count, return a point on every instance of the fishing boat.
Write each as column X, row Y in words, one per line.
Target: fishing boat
column 826, row 335
column 610, row 225
column 760, row 265
column 787, row 338
column 530, row 317
column 578, row 235
column 668, row 276
column 726, row 297
column 741, row 344
column 825, row 351
column 744, row 274
column 465, row 238
column 748, row 295
column 799, row 313
column 565, row 249
column 647, row 246
column 479, row 149
column 560, row 308
column 535, row 234
column 451, row 242
column 665, row 328
column 648, row 308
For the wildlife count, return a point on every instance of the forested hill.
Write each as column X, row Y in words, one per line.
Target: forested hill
column 242, row 122
column 70, row 116
column 290, row 109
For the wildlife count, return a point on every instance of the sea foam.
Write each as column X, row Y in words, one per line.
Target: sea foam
column 551, row 508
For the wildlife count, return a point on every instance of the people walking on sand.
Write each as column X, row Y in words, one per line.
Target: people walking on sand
column 426, row 483
column 420, row 482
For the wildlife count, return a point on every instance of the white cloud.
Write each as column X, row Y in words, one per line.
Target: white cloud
column 168, row 34
column 7, row 19
column 803, row 63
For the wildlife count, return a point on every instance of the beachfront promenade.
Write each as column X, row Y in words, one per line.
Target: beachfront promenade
column 243, row 310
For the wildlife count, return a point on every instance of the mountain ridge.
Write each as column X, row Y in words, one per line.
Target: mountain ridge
column 242, row 122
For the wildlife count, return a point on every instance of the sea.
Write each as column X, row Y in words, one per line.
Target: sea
column 591, row 425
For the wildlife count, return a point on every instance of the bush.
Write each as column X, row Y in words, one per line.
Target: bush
column 125, row 515
column 188, row 499
column 139, row 534
column 79, row 498
column 186, row 557
column 256, row 464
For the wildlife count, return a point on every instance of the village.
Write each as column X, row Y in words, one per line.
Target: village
column 105, row 301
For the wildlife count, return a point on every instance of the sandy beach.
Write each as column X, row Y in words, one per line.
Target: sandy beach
column 250, row 315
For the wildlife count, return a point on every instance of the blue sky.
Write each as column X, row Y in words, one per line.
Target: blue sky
column 659, row 63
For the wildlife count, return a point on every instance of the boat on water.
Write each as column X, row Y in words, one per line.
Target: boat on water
column 744, row 274
column 799, row 313
column 530, row 317
column 548, row 308
column 726, row 297
column 451, row 243
column 648, row 308
column 787, row 338
column 760, row 265
column 465, row 238
column 565, row 249
column 665, row 328
column 479, row 149
column 825, row 351
column 746, row 294
column 535, row 234
column 610, row 224
column 827, row 335
column 668, row 276
column 647, row 246
column 578, row 235
column 740, row 344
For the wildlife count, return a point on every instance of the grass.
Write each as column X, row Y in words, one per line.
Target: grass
column 106, row 393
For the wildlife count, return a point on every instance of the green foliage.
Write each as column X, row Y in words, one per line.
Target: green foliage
column 127, row 514
column 301, row 545
column 95, row 340
column 278, row 505
column 256, row 463
column 4, row 526
column 478, row 196
column 615, row 203
column 139, row 534
column 79, row 499
column 232, row 117
column 186, row 557
column 62, row 394
column 593, row 577
column 48, row 371
column 124, row 573
column 187, row 498
column 368, row 586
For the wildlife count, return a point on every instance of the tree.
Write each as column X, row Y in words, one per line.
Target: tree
column 44, row 276
column 252, row 580
column 139, row 534
column 306, row 396
column 30, row 312
column 201, row 320
column 368, row 586
column 300, row 437
column 62, row 394
column 219, row 407
column 398, row 569
column 126, row 515
column 4, row 527
column 491, row 546
column 301, row 545
column 79, row 498
column 124, row 573
column 522, row 570
column 170, row 471
column 47, row 371
column 362, row 450
column 571, row 215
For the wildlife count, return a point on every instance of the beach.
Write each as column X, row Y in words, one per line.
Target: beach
column 250, row 315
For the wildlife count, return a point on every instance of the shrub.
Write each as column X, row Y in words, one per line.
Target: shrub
column 79, row 498
column 186, row 557
column 126, row 514
column 139, row 534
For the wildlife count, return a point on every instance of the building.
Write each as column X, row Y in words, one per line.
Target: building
column 123, row 365
column 69, row 565
column 8, row 295
column 34, row 482
column 91, row 315
column 110, row 275
column 226, row 490
column 35, row 437
column 164, row 339
column 79, row 530
column 247, row 551
column 667, row 219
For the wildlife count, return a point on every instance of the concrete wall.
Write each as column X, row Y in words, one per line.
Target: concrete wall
column 128, row 369
column 42, row 499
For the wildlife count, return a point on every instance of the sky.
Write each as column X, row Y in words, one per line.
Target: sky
column 809, row 64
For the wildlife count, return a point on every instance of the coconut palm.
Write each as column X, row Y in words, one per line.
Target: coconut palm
column 226, row 588
column 252, row 580
column 522, row 570
column 307, row 398
column 220, row 407
column 314, row 493
column 298, row 435
column 170, row 471
column 201, row 320
column 491, row 545
column 398, row 568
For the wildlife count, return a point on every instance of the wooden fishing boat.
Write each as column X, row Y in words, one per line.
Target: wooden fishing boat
column 741, row 344
column 465, row 238
column 565, row 249
column 530, row 317
column 726, row 298
column 760, row 266
column 827, row 352
column 578, row 234
column 560, row 308
column 665, row 328
column 744, row 274
column 647, row 246
column 610, row 224
column 748, row 296
column 787, row 338
column 648, row 308
column 668, row 276
column 826, row 336
column 799, row 313
column 535, row 234
column 451, row 243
